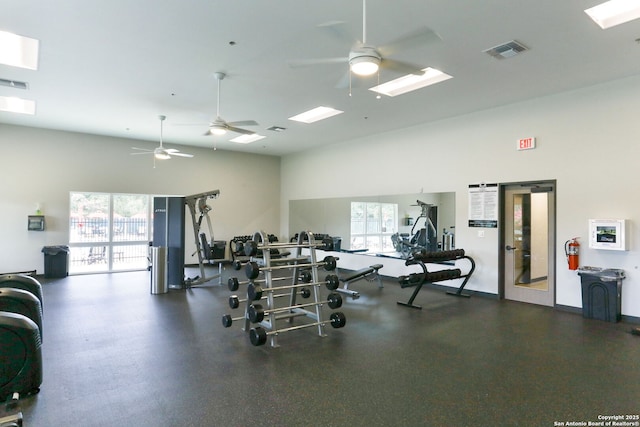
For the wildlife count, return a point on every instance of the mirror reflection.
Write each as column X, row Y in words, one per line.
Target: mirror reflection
column 392, row 225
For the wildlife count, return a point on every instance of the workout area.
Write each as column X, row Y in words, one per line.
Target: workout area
column 113, row 354
column 336, row 213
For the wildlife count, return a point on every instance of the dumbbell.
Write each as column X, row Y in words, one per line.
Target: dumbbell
column 251, row 247
column 253, row 269
column 234, row 284
column 258, row 335
column 254, row 292
column 256, row 313
column 234, row 301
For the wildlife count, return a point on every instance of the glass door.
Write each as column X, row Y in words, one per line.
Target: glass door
column 108, row 232
column 529, row 235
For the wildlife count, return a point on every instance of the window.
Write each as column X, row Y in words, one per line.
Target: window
column 372, row 225
column 108, row 232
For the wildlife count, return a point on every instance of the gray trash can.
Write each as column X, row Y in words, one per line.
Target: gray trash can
column 159, row 270
column 602, row 293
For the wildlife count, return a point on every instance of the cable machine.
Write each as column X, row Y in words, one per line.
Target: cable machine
column 206, row 250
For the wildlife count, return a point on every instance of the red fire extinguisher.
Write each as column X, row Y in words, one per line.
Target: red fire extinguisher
column 571, row 250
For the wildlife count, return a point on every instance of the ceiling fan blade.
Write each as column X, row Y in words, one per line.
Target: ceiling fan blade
column 239, row 130
column 142, row 149
column 143, row 152
column 401, row 67
column 243, row 123
column 298, row 63
column 416, row 38
column 338, row 30
column 176, row 152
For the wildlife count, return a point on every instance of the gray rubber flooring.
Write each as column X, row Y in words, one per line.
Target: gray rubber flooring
column 115, row 355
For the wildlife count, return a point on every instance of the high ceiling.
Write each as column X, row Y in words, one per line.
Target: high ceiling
column 111, row 68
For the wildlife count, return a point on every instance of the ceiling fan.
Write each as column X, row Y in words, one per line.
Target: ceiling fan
column 161, row 153
column 365, row 59
column 219, row 126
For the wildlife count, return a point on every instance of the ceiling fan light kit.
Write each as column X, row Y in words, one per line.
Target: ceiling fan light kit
column 218, row 130
column 365, row 62
column 161, row 153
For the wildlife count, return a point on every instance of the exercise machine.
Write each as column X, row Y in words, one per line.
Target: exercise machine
column 425, row 238
column 10, row 413
column 369, row 274
column 418, row 280
column 209, row 252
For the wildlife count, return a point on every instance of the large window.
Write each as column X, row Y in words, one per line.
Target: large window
column 372, row 225
column 108, row 232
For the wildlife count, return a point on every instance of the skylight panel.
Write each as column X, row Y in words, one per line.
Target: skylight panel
column 18, row 51
column 411, row 82
column 614, row 12
column 247, row 139
column 316, row 114
column 17, row 105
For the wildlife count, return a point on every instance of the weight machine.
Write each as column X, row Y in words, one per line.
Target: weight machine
column 425, row 238
column 206, row 250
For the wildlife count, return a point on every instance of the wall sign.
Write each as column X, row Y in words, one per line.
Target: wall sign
column 526, row 143
column 483, row 205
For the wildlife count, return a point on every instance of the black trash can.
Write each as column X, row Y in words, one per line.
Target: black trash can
column 56, row 261
column 601, row 293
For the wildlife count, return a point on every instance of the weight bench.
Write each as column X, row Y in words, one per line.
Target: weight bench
column 426, row 277
column 369, row 273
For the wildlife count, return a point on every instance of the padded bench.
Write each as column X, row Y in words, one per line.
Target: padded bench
column 369, row 273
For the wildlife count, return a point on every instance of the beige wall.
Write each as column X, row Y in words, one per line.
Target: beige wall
column 43, row 166
column 587, row 140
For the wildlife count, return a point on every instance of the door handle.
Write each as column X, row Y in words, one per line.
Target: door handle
column 510, row 248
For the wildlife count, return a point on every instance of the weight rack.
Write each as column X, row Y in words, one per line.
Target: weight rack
column 259, row 250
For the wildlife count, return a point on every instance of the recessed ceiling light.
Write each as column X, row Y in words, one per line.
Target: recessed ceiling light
column 18, row 51
column 17, row 105
column 411, row 82
column 614, row 12
column 318, row 113
column 246, row 139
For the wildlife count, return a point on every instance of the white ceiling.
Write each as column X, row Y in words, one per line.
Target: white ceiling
column 111, row 68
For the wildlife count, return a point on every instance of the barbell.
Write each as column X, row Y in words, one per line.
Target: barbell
column 258, row 335
column 233, row 283
column 256, row 313
column 254, row 292
column 234, row 301
column 253, row 269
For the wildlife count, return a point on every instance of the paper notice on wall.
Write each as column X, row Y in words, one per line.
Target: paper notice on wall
column 483, row 205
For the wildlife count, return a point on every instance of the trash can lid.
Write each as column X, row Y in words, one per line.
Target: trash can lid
column 602, row 273
column 54, row 250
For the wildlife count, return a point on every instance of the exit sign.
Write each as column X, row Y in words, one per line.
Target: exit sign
column 526, row 143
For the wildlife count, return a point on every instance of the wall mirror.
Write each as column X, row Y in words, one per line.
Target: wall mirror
column 369, row 223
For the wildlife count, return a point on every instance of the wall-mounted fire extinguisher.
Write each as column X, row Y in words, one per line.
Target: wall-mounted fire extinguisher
column 571, row 250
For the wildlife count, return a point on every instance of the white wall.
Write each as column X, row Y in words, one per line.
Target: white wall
column 587, row 140
column 43, row 166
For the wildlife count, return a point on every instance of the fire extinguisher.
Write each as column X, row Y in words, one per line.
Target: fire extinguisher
column 571, row 250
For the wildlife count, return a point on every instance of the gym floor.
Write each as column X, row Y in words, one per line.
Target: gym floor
column 115, row 355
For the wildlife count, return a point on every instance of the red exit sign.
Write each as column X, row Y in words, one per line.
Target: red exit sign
column 526, row 143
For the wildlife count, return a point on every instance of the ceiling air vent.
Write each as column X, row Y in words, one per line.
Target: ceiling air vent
column 506, row 50
column 14, row 84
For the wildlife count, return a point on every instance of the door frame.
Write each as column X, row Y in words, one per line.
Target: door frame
column 502, row 188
